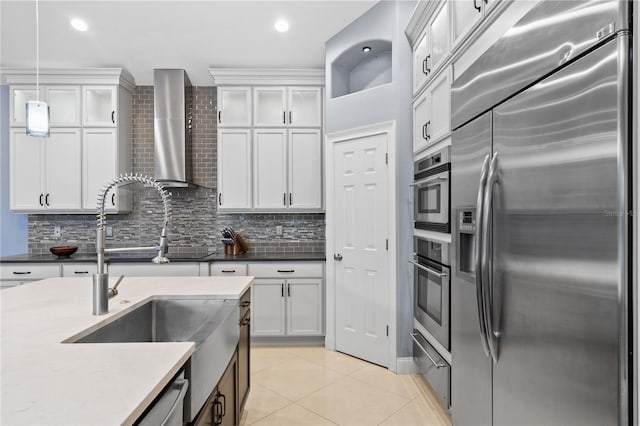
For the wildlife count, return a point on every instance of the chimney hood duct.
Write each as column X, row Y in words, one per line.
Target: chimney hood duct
column 172, row 99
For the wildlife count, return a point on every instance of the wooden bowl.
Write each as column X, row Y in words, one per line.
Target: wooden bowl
column 63, row 251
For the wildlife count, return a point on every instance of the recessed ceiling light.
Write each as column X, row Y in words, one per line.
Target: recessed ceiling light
column 282, row 25
column 366, row 49
column 79, row 24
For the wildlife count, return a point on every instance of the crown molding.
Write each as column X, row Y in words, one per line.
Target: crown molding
column 107, row 76
column 263, row 76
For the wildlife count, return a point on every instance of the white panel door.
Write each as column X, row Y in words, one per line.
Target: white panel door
column 439, row 108
column 99, row 166
column 99, row 106
column 360, row 233
column 305, row 106
column 304, row 307
column 64, row 170
column 268, row 307
column 234, row 106
column 420, row 52
column 269, row 106
column 27, row 171
column 420, row 118
column 270, row 169
column 234, row 169
column 64, row 105
column 305, row 169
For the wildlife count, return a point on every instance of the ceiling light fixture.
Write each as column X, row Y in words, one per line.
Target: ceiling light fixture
column 282, row 25
column 366, row 49
column 37, row 112
column 79, row 24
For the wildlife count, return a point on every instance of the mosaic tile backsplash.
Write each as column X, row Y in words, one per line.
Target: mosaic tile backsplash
column 195, row 223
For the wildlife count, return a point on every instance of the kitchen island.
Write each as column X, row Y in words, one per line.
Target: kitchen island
column 45, row 380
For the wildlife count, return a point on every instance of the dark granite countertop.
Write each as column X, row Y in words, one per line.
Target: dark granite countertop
column 178, row 257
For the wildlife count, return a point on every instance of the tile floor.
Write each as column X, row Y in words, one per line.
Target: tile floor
column 295, row 386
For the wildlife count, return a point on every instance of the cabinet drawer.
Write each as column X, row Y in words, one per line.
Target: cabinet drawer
column 435, row 370
column 152, row 270
column 286, row 270
column 78, row 269
column 227, row 269
column 29, row 272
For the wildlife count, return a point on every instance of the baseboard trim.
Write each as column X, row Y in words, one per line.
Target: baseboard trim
column 287, row 341
column 406, row 365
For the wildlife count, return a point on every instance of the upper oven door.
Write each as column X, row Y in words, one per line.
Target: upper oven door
column 431, row 199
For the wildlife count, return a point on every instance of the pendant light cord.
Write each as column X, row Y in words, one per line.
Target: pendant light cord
column 37, row 50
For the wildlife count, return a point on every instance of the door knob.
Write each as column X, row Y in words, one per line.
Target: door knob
column 337, row 257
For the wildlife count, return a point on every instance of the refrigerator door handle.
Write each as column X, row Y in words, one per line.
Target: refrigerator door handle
column 487, row 278
column 477, row 258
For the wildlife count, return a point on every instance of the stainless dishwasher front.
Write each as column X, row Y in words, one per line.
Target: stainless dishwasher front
column 167, row 409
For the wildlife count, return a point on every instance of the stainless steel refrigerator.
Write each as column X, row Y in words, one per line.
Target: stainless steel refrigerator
column 540, row 200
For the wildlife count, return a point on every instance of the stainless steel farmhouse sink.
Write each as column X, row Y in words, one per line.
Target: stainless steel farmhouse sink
column 211, row 324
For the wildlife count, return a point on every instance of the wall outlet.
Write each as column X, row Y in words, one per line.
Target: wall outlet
column 279, row 231
column 57, row 232
column 108, row 231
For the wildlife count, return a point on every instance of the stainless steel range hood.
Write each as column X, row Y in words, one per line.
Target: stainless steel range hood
column 172, row 100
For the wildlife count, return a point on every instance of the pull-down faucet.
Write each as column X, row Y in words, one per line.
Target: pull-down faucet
column 101, row 293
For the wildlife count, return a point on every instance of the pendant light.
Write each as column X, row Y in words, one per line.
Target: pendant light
column 37, row 111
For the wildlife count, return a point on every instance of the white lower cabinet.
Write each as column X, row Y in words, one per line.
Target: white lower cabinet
column 268, row 307
column 304, row 307
column 148, row 269
column 22, row 273
column 291, row 306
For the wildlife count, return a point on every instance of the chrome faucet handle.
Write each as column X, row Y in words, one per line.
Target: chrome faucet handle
column 113, row 292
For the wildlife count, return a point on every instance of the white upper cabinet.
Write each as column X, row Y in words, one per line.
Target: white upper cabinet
column 64, row 105
column 305, row 106
column 305, row 169
column 420, row 52
column 234, row 107
column 287, row 106
column 234, row 169
column 269, row 106
column 99, row 106
column 100, row 165
column 270, row 169
column 438, row 30
column 432, row 112
column 45, row 173
column 465, row 14
column 20, row 95
column 63, row 170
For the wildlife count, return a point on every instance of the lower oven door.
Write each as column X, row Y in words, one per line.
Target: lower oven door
column 431, row 202
column 432, row 367
column 432, row 298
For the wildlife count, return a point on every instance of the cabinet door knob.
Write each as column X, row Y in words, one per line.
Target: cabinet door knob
column 219, row 116
column 113, row 117
column 46, row 199
column 290, row 117
column 475, row 5
column 337, row 257
column 290, row 198
column 284, row 117
column 282, row 290
column 41, row 195
column 288, row 290
column 426, row 64
column 113, row 199
column 220, row 199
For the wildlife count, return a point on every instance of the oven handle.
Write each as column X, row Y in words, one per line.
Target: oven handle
column 429, row 179
column 424, row 268
column 478, row 250
column 435, row 364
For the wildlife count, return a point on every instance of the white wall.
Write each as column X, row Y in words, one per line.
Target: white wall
column 13, row 227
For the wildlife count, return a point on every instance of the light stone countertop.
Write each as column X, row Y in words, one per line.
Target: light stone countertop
column 44, row 381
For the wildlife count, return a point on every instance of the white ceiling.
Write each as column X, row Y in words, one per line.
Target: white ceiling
column 194, row 35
